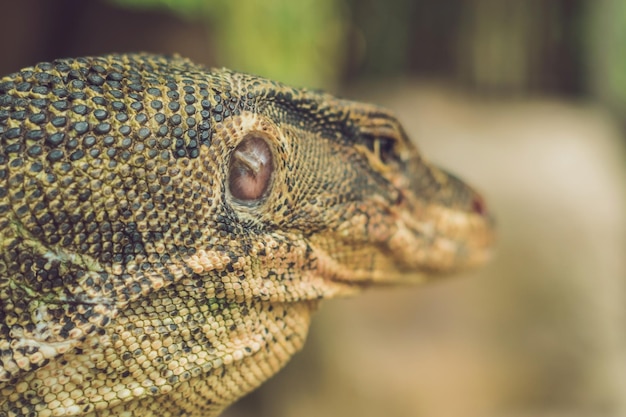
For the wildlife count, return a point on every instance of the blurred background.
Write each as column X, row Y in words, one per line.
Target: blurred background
column 524, row 99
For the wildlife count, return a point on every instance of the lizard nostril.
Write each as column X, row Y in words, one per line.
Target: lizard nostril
column 478, row 206
column 251, row 168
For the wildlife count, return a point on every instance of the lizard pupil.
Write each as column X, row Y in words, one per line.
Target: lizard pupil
column 251, row 168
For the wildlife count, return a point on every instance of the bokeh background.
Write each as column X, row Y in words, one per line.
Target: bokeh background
column 525, row 99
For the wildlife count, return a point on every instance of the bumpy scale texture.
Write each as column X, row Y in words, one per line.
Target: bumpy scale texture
column 152, row 266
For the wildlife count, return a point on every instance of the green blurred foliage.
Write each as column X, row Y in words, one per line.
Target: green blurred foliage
column 298, row 42
column 605, row 44
column 185, row 8
column 492, row 47
column 384, row 34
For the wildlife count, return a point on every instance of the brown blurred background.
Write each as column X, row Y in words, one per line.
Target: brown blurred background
column 524, row 99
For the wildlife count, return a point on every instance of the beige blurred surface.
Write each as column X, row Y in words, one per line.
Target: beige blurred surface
column 538, row 332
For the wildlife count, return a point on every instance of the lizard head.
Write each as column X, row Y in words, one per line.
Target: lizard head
column 344, row 178
column 169, row 229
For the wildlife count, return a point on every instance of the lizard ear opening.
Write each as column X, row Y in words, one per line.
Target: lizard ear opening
column 250, row 169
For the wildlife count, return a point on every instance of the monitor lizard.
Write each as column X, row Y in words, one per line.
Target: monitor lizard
column 167, row 230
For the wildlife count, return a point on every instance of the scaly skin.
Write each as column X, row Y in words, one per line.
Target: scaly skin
column 166, row 231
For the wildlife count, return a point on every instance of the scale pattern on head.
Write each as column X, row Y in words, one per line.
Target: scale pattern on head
column 166, row 230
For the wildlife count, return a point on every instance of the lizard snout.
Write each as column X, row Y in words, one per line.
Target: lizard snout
column 445, row 224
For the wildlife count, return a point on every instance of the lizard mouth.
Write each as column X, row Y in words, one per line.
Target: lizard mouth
column 441, row 240
column 444, row 232
column 423, row 235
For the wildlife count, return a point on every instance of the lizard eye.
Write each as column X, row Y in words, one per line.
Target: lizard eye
column 382, row 147
column 251, row 167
